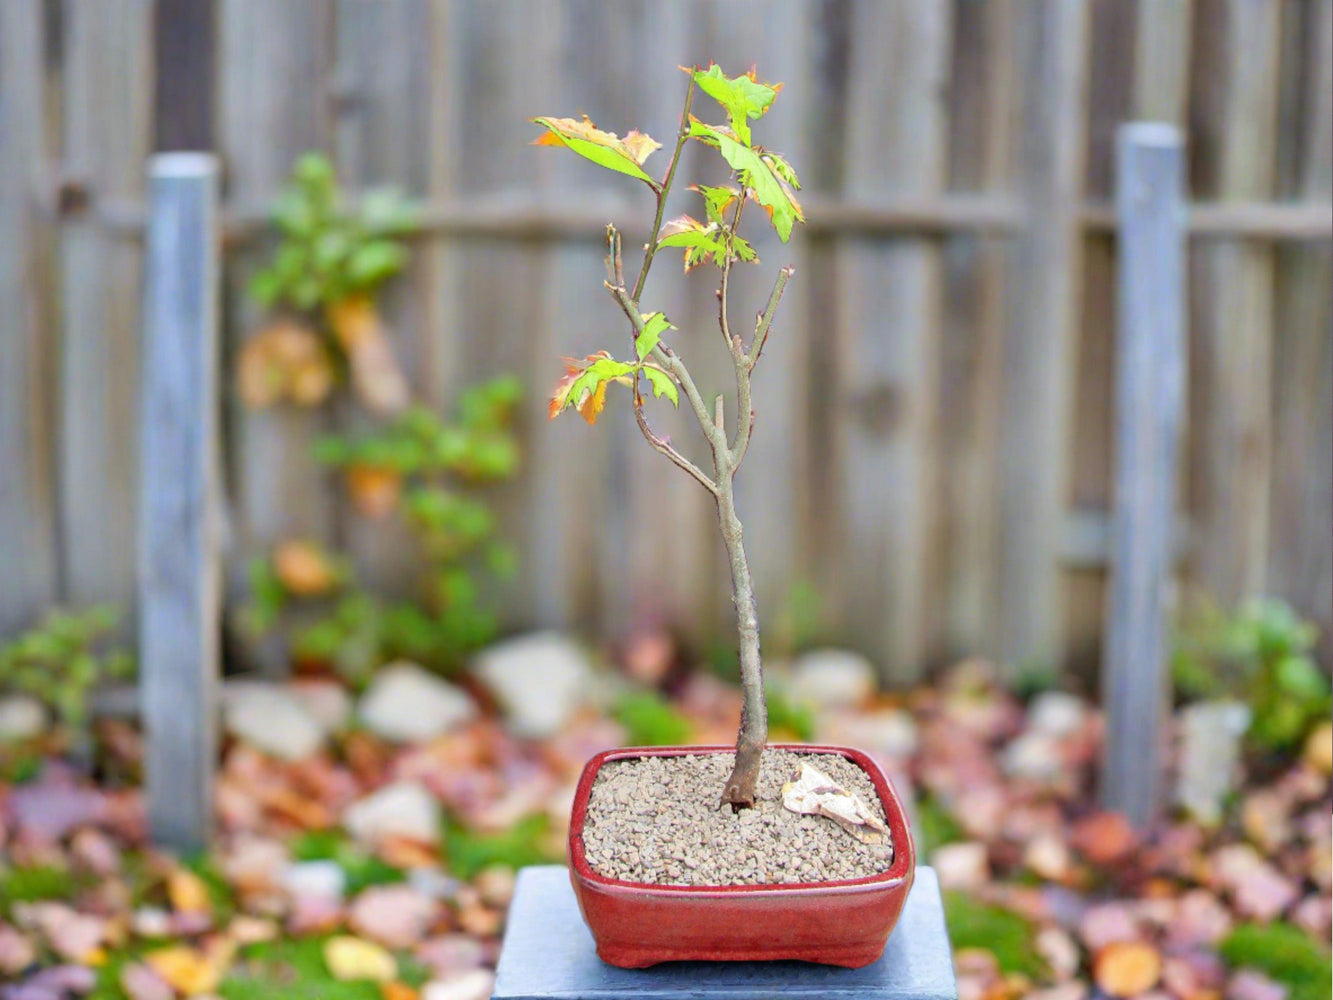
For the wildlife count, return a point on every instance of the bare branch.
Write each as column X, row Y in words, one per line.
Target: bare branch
column 719, row 416
column 766, row 318
column 744, row 414
column 662, row 191
column 664, row 447
column 722, row 321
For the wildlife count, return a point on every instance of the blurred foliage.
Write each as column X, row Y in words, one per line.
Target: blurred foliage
column 1008, row 936
column 1284, row 953
column 1261, row 655
column 786, row 718
column 935, row 826
column 362, row 868
column 426, row 471
column 329, row 249
column 62, row 660
column 294, row 969
column 525, row 843
column 39, row 882
column 651, row 721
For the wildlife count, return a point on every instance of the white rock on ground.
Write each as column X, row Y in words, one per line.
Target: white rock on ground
column 324, row 879
column 270, row 718
column 405, row 809
column 21, row 718
column 890, row 732
column 1210, row 738
column 328, row 703
column 475, row 984
column 832, row 678
column 1034, row 756
column 406, row 704
column 1057, row 713
column 540, row 679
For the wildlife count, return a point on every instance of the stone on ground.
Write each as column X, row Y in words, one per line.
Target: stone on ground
column 407, row 704
column 540, row 680
column 405, row 810
column 1210, row 743
column 832, row 678
column 475, row 984
column 1057, row 714
column 21, row 718
column 271, row 719
column 328, row 703
column 324, row 879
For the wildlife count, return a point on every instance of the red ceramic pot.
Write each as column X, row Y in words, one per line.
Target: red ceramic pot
column 845, row 923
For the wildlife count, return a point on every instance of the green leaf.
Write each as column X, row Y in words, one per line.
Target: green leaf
column 606, row 149
column 590, row 382
column 662, row 384
column 742, row 96
column 757, row 175
column 782, row 168
column 653, row 328
column 700, row 242
column 374, row 262
column 716, row 200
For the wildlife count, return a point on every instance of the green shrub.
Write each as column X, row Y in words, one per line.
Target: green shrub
column 1284, row 953
column 651, row 721
column 1006, row 935
column 525, row 843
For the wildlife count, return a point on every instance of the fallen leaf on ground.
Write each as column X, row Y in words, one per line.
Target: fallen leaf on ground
column 352, row 958
column 815, row 793
column 1127, row 968
column 188, row 892
column 191, row 970
column 141, row 983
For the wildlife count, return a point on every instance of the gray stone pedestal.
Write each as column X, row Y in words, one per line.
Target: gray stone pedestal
column 549, row 955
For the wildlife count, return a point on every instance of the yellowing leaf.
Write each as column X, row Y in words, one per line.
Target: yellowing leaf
column 584, row 384
column 352, row 958
column 606, row 149
column 592, row 404
column 189, row 970
column 743, row 96
column 757, row 174
column 186, row 890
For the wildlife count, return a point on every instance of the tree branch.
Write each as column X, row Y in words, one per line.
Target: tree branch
column 766, row 318
column 651, row 249
column 664, row 447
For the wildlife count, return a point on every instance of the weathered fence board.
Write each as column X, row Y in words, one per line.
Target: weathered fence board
column 107, row 134
column 1149, row 415
column 29, row 568
column 1041, row 348
column 178, row 568
column 982, row 264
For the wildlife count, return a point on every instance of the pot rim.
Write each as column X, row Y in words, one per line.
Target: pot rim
column 904, row 851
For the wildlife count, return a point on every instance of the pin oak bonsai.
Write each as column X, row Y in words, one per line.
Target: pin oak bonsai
column 758, row 175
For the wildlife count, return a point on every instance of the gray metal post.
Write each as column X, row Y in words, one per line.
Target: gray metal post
column 178, row 568
column 1149, row 418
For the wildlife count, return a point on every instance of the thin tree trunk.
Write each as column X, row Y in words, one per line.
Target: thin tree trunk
column 740, row 787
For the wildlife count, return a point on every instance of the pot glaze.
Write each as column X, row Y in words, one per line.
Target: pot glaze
column 845, row 923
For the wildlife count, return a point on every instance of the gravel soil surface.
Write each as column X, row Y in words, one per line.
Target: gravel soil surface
column 658, row 820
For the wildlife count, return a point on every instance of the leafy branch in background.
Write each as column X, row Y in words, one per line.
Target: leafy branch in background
column 425, row 471
column 761, row 176
column 321, row 283
column 1261, row 654
column 61, row 661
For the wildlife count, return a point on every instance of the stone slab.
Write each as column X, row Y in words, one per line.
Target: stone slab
column 549, row 954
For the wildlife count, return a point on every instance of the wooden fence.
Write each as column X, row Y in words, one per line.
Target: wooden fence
column 934, row 442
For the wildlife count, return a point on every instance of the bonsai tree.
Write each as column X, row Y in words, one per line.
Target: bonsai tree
column 759, row 175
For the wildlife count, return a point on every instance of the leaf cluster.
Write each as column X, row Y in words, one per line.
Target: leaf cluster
column 434, row 469
column 62, row 660
column 1284, row 953
column 1262, row 654
column 329, row 249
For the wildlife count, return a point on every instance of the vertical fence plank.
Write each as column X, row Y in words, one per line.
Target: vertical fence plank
column 888, row 343
column 179, row 596
column 1233, row 343
column 1149, row 413
column 973, row 326
column 28, row 564
column 1301, row 505
column 107, row 133
column 1040, row 359
column 274, row 105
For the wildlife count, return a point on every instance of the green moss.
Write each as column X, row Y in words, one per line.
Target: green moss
column 525, row 843
column 1006, row 935
column 362, row 869
column 935, row 826
column 651, row 721
column 28, row 885
column 1285, row 953
column 294, row 969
